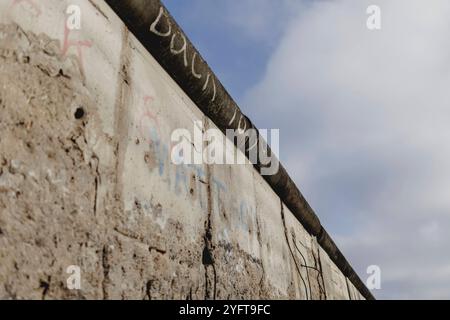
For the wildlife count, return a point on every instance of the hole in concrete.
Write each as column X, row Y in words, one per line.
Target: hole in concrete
column 44, row 285
column 79, row 113
column 207, row 258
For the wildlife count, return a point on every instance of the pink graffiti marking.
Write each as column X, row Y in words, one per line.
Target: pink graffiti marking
column 147, row 115
column 152, row 123
column 32, row 3
column 79, row 44
column 148, row 100
column 68, row 43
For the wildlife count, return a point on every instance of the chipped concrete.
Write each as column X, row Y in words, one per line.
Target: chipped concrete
column 49, row 174
column 86, row 180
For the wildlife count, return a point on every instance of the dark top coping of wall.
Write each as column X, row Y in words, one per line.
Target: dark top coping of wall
column 155, row 28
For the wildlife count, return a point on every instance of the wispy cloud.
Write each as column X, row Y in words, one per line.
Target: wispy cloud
column 236, row 37
column 364, row 118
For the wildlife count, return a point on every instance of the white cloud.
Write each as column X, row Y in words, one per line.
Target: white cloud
column 261, row 19
column 365, row 127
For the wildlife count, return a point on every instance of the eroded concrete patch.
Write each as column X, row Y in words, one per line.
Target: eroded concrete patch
column 49, row 174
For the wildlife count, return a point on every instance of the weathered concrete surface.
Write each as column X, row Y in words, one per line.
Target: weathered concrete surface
column 49, row 175
column 153, row 25
column 335, row 282
column 86, row 179
column 304, row 251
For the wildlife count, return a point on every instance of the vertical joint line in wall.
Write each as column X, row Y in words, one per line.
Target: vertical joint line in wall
column 207, row 257
column 290, row 249
column 95, row 195
column 305, row 265
column 120, row 137
column 105, row 266
column 321, row 285
column 120, row 113
column 348, row 289
column 258, row 226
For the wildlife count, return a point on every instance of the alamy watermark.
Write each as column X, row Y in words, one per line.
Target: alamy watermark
column 374, row 20
column 213, row 147
column 74, row 280
column 373, row 282
column 74, row 17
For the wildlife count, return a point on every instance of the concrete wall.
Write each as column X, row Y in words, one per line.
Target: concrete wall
column 86, row 178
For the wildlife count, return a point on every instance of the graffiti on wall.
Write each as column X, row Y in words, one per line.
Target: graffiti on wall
column 72, row 24
column 182, row 180
column 77, row 44
column 185, row 180
column 162, row 27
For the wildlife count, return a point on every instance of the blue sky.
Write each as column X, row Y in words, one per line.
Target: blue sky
column 235, row 39
column 364, row 118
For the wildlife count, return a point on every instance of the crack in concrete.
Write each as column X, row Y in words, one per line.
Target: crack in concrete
column 303, row 265
column 148, row 289
column 207, row 257
column 320, row 275
column 259, row 237
column 291, row 251
column 45, row 285
column 106, row 267
column 96, row 182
